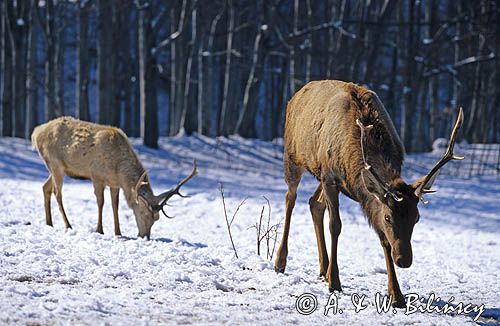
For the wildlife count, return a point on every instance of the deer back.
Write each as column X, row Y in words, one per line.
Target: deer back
column 86, row 150
column 321, row 132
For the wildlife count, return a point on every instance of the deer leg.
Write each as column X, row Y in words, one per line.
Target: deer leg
column 57, row 186
column 332, row 195
column 47, row 193
column 398, row 299
column 99, row 195
column 115, row 195
column 317, row 208
column 293, row 175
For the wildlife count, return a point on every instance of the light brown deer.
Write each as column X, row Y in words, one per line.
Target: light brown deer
column 342, row 134
column 102, row 154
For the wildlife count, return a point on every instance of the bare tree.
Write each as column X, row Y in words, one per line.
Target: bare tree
column 223, row 130
column 31, row 84
column 104, row 78
column 59, row 68
column 114, row 110
column 246, row 121
column 231, row 67
column 6, row 72
column 50, row 52
column 82, row 71
column 147, row 78
column 17, row 33
column 431, row 16
column 408, row 75
column 187, row 122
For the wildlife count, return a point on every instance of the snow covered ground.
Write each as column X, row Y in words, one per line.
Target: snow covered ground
column 187, row 272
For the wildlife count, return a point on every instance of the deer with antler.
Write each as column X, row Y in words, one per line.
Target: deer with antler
column 341, row 133
column 102, row 154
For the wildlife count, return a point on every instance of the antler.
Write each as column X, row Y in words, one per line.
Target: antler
column 164, row 197
column 139, row 184
column 387, row 189
column 425, row 183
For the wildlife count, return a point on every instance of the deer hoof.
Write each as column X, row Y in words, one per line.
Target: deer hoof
column 280, row 270
column 335, row 288
column 399, row 301
column 338, row 289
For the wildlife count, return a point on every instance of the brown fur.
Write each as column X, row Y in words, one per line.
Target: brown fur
column 102, row 154
column 322, row 137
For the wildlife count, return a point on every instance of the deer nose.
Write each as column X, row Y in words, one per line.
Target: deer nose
column 403, row 262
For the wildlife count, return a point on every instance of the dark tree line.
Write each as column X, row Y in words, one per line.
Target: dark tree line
column 226, row 67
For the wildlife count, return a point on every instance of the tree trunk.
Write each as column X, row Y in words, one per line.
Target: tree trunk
column 331, row 39
column 456, row 99
column 6, row 90
column 472, row 131
column 49, row 96
column 127, row 71
column 208, row 90
column 199, row 101
column 17, row 37
column 406, row 110
column 431, row 13
column 114, row 109
column 292, row 70
column 246, row 122
column 104, row 78
column 173, row 76
column 82, row 67
column 309, row 40
column 59, row 71
column 223, row 128
column 187, row 122
column 419, row 103
column 31, row 86
column 136, row 102
column 147, row 79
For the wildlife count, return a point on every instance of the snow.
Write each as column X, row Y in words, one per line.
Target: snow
column 187, row 273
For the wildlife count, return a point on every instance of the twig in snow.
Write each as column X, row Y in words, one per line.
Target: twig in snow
column 270, row 233
column 229, row 223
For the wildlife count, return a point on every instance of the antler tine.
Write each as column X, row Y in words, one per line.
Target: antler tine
column 186, row 179
column 139, row 184
column 167, row 195
column 426, row 184
column 163, row 211
column 383, row 185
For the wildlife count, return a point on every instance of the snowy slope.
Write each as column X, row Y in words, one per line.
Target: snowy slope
column 187, row 272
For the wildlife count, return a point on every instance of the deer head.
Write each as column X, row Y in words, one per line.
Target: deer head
column 394, row 211
column 147, row 206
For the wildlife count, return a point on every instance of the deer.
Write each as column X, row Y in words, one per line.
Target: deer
column 341, row 133
column 103, row 155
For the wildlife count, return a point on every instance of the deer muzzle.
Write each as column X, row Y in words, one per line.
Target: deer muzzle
column 402, row 254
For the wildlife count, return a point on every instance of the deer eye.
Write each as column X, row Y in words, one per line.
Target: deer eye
column 387, row 219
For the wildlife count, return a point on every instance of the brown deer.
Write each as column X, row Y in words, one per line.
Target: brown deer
column 102, row 154
column 341, row 133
